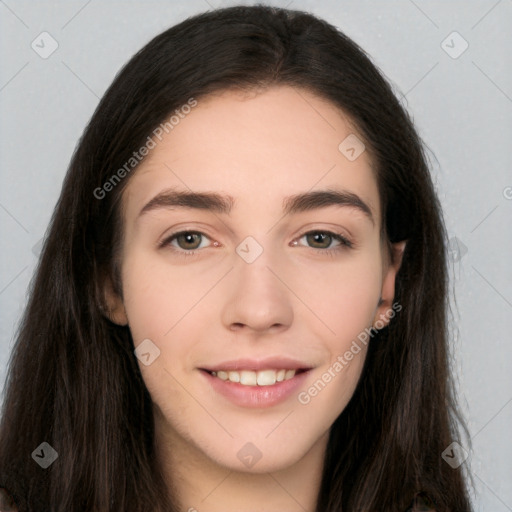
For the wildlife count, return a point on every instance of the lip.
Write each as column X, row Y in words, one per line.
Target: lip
column 256, row 397
column 271, row 363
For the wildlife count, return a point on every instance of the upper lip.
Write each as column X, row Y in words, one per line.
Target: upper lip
column 276, row 363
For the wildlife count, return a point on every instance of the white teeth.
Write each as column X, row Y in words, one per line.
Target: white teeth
column 251, row 378
column 289, row 374
column 234, row 376
column 248, row 378
column 266, row 378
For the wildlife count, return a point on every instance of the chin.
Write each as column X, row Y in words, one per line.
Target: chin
column 259, row 457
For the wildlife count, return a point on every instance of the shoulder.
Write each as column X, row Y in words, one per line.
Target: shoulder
column 7, row 503
column 421, row 503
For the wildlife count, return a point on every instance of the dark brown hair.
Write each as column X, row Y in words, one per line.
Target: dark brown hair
column 73, row 380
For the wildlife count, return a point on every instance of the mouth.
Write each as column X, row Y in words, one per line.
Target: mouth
column 267, row 377
column 257, row 384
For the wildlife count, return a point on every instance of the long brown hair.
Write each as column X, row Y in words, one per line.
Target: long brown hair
column 73, row 380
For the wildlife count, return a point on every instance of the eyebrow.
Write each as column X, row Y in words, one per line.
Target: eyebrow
column 220, row 203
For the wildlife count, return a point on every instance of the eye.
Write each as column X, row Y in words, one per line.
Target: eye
column 188, row 243
column 185, row 242
column 323, row 240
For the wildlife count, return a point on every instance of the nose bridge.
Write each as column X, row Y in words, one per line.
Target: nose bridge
column 258, row 262
column 258, row 300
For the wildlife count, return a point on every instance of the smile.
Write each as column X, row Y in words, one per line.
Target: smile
column 256, row 389
column 256, row 378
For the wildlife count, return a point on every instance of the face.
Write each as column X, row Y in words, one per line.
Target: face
column 251, row 285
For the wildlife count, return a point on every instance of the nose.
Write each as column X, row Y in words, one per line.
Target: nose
column 257, row 298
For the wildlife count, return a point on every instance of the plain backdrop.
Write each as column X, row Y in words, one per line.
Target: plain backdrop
column 457, row 87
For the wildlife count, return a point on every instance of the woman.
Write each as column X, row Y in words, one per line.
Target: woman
column 259, row 369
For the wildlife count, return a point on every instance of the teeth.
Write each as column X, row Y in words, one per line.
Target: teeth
column 289, row 374
column 266, row 378
column 248, row 378
column 261, row 378
column 234, row 376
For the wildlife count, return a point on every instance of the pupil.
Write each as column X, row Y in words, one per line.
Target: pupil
column 189, row 238
column 320, row 237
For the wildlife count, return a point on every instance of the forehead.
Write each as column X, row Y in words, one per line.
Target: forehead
column 257, row 147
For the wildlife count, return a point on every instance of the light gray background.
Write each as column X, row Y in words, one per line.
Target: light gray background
column 462, row 108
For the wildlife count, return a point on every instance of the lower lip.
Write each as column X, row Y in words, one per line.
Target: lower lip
column 257, row 396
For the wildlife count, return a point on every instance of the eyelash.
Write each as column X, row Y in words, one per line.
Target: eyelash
column 344, row 242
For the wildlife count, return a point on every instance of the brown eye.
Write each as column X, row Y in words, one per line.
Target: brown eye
column 185, row 242
column 319, row 239
column 188, row 240
column 323, row 241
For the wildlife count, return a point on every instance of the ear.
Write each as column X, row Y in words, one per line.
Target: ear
column 114, row 307
column 385, row 311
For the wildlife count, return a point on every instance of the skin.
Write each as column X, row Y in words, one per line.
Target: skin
column 293, row 300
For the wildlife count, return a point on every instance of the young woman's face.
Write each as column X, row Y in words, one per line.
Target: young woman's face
column 250, row 283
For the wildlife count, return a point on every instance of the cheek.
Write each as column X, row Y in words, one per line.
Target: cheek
column 345, row 295
column 345, row 299
column 328, row 394
column 156, row 301
column 155, row 297
column 164, row 305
